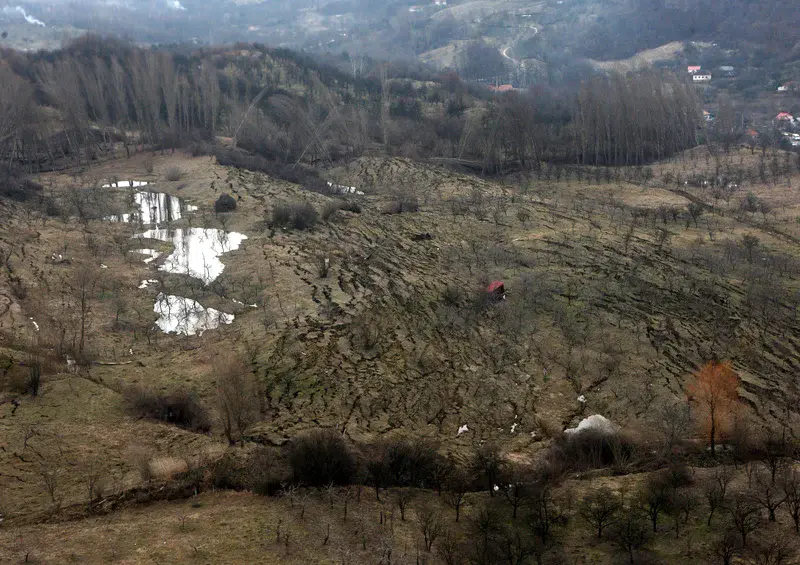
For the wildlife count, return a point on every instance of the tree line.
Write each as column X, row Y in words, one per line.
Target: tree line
column 98, row 96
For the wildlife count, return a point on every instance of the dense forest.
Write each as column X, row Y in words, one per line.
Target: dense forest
column 72, row 105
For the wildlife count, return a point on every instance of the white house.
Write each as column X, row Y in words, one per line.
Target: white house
column 701, row 76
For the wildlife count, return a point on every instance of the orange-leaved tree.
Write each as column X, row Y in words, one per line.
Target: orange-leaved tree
column 715, row 390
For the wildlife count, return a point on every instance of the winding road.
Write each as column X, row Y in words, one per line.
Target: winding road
column 506, row 49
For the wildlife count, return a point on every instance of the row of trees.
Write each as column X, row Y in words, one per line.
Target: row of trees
column 290, row 110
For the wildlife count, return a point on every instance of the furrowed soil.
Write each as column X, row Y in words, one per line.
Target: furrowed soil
column 615, row 293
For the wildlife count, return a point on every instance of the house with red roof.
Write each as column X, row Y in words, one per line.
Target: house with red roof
column 784, row 117
column 693, row 69
column 501, row 88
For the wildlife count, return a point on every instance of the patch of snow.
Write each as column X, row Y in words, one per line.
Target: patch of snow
column 582, row 399
column 147, row 282
column 35, row 325
column 103, row 266
column 462, row 430
column 514, row 427
column 596, row 423
column 175, row 5
column 186, row 316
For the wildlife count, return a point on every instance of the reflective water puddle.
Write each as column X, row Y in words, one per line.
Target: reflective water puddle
column 196, row 253
column 197, row 250
column 154, row 208
column 126, row 184
column 186, row 316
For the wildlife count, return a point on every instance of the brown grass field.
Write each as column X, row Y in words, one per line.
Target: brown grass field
column 606, row 299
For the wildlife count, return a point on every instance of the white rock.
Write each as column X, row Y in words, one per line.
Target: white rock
column 462, row 430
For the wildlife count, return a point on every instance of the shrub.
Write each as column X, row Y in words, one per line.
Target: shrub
column 225, row 203
column 320, row 458
column 294, row 215
column 15, row 187
column 180, row 408
column 330, row 209
column 149, row 164
column 593, row 449
column 335, row 205
column 174, row 174
column 409, row 463
column 266, row 472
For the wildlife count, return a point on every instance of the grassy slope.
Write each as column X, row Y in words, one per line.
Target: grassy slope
column 643, row 319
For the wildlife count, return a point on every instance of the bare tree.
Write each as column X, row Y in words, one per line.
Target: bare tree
column 455, row 495
column 630, row 534
column 716, row 490
column 726, row 547
column 50, row 473
column 237, row 397
column 768, row 494
column 430, row 525
column 745, row 516
column 790, row 484
column 600, row 509
column 402, row 497
column 82, row 284
column 92, row 471
column 449, row 549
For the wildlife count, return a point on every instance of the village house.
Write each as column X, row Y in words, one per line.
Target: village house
column 501, row 88
column 701, row 76
column 788, row 87
column 784, row 117
column 693, row 69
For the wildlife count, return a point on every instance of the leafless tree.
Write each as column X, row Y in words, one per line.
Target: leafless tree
column 455, row 494
column 630, row 534
column 745, row 515
column 402, row 497
column 726, row 547
column 768, row 494
column 449, row 549
column 715, row 490
column 790, row 485
column 429, row 520
column 600, row 509
column 237, row 397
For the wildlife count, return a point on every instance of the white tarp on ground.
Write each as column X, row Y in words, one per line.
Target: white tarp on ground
column 595, row 423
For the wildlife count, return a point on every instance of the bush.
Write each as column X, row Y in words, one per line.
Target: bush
column 14, row 187
column 225, row 203
column 335, row 205
column 320, row 458
column 593, row 449
column 180, row 408
column 149, row 165
column 408, row 463
column 295, row 215
column 174, row 174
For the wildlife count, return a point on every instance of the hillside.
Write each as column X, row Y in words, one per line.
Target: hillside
column 239, row 284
